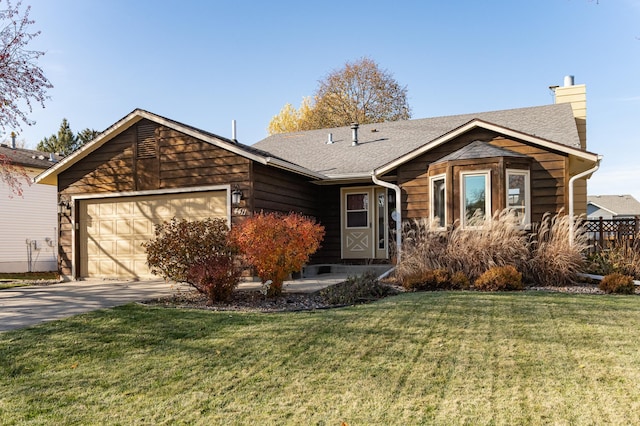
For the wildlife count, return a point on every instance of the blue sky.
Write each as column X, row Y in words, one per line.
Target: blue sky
column 206, row 63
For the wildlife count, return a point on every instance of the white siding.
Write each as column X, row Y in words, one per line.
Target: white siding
column 33, row 218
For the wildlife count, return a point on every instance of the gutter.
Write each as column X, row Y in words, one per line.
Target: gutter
column 398, row 220
column 571, row 201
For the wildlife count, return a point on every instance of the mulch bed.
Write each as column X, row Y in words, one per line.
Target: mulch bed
column 254, row 301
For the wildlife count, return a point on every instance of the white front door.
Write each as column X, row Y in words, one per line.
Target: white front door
column 364, row 223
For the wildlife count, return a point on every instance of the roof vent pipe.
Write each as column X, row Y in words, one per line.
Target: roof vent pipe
column 233, row 131
column 354, row 128
column 13, row 140
column 568, row 80
column 52, row 158
column 329, row 139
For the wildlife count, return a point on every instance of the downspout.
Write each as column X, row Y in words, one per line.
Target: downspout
column 571, row 208
column 396, row 189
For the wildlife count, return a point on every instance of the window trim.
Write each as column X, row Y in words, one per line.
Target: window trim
column 487, row 194
column 527, row 188
column 432, row 216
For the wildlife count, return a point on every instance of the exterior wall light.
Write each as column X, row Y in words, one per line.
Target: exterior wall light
column 236, row 195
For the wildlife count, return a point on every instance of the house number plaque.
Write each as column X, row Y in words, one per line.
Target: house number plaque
column 240, row 211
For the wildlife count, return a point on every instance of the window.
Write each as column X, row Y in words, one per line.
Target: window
column 382, row 214
column 357, row 210
column 437, row 200
column 476, row 197
column 518, row 194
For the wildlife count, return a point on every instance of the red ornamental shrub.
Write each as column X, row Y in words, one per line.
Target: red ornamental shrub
column 216, row 276
column 277, row 245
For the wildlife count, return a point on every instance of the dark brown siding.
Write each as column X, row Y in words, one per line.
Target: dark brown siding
column 548, row 174
column 329, row 205
column 276, row 190
column 127, row 163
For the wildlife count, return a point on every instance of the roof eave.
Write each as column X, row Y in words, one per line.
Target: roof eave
column 476, row 123
column 50, row 175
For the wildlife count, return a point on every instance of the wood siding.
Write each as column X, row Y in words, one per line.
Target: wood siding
column 548, row 176
column 181, row 161
column 276, row 190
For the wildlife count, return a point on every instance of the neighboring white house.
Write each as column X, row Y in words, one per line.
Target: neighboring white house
column 28, row 222
column 612, row 207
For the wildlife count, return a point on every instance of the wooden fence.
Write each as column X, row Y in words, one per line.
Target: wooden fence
column 605, row 232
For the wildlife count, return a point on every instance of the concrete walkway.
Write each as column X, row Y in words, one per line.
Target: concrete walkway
column 24, row 306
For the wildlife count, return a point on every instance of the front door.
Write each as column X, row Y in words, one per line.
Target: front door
column 364, row 223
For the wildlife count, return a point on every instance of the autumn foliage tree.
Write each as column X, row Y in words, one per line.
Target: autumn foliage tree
column 277, row 245
column 22, row 82
column 13, row 175
column 360, row 92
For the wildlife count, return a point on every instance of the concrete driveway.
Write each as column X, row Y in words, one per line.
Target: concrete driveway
column 24, row 306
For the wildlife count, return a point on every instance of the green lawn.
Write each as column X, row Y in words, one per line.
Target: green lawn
column 420, row 358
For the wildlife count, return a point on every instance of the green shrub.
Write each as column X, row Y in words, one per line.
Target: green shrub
column 358, row 289
column 500, row 278
column 617, row 283
column 216, row 276
column 179, row 244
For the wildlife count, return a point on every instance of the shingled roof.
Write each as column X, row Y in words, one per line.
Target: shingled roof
column 29, row 157
column 618, row 205
column 381, row 143
column 479, row 149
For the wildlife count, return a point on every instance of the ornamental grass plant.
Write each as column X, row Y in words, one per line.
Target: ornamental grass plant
column 543, row 255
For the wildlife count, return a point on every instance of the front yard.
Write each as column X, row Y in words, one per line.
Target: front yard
column 436, row 358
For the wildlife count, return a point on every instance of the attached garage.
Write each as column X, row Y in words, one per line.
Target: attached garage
column 113, row 229
column 146, row 169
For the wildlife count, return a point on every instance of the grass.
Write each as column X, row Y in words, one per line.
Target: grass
column 417, row 358
column 10, row 280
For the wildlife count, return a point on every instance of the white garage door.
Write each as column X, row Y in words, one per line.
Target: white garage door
column 112, row 230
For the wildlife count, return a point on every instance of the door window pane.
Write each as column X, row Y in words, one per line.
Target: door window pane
column 357, row 210
column 381, row 217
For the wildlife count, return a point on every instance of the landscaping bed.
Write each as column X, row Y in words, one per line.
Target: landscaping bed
column 255, row 301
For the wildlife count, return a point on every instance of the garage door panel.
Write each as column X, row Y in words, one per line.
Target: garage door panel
column 113, row 230
column 123, row 227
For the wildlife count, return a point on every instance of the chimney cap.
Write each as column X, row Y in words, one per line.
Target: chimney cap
column 568, row 80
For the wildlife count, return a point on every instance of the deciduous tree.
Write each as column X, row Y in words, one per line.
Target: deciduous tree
column 360, row 92
column 22, row 81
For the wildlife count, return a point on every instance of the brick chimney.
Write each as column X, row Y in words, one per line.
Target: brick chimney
column 576, row 95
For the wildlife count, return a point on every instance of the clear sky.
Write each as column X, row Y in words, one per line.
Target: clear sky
column 206, row 63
